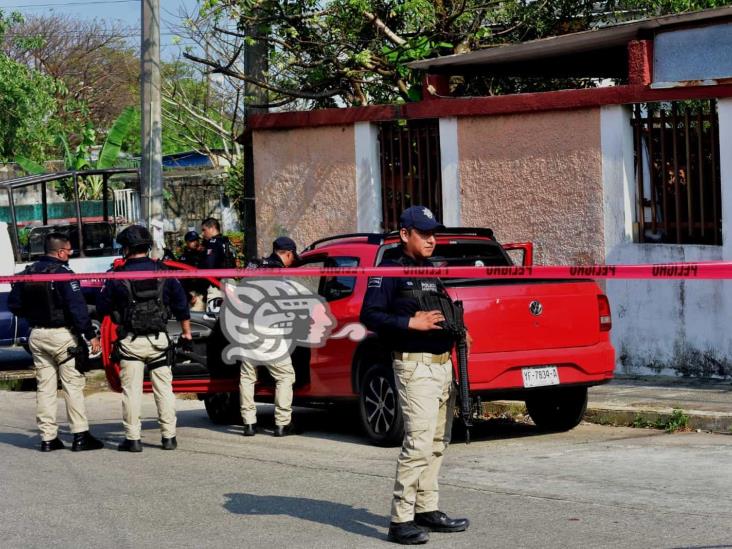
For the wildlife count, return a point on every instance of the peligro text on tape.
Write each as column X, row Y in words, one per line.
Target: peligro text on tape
column 719, row 270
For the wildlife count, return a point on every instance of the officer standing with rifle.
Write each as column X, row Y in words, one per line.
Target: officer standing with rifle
column 140, row 308
column 406, row 314
column 284, row 254
column 61, row 327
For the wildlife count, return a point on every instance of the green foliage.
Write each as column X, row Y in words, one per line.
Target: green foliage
column 26, row 105
column 677, row 421
column 29, row 166
column 115, row 139
column 354, row 52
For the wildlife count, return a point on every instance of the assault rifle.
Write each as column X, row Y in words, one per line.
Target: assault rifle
column 455, row 324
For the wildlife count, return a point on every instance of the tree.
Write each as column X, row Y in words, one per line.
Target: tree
column 26, row 104
column 354, row 52
column 100, row 72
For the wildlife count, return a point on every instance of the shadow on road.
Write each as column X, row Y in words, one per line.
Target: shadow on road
column 351, row 519
column 342, row 424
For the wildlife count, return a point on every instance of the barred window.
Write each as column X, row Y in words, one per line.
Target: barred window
column 677, row 173
column 410, row 168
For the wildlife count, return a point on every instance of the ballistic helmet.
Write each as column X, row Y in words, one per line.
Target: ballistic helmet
column 134, row 236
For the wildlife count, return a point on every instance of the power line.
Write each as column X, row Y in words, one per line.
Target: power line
column 91, row 3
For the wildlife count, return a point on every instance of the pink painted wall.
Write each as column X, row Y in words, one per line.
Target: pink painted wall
column 305, row 182
column 536, row 177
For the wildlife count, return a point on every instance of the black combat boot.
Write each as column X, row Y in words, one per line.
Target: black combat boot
column 407, row 533
column 437, row 521
column 169, row 443
column 85, row 441
column 284, row 430
column 51, row 445
column 250, row 429
column 130, row 446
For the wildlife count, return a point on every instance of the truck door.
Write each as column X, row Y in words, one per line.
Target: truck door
column 7, row 267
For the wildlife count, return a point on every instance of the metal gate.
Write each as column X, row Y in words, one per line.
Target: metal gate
column 677, row 172
column 410, row 168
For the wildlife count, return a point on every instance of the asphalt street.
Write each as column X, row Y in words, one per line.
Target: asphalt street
column 593, row 487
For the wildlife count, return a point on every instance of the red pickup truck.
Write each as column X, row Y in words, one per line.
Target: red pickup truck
column 541, row 341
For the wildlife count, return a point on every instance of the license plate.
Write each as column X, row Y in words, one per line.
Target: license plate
column 540, row 377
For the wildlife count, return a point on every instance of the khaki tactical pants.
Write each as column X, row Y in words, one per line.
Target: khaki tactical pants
column 50, row 349
column 284, row 376
column 143, row 350
column 427, row 400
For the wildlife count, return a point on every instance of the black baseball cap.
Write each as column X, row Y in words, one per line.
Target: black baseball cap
column 285, row 243
column 419, row 217
column 191, row 236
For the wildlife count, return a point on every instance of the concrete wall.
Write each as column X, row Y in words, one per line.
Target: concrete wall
column 536, row 177
column 663, row 326
column 305, row 183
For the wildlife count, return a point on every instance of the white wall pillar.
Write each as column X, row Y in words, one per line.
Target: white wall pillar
column 368, row 178
column 724, row 111
column 616, row 144
column 449, row 159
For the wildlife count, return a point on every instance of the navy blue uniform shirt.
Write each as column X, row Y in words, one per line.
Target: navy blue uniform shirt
column 387, row 312
column 194, row 258
column 69, row 294
column 114, row 293
column 214, row 253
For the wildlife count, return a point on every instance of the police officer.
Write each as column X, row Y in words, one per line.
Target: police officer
column 424, row 377
column 194, row 251
column 58, row 315
column 193, row 255
column 140, row 309
column 218, row 252
column 284, row 254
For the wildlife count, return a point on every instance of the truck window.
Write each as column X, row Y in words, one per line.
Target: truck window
column 459, row 253
column 338, row 287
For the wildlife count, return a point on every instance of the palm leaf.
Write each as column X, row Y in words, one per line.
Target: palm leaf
column 32, row 168
column 68, row 157
column 113, row 143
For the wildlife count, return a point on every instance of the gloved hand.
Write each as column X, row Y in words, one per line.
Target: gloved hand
column 185, row 345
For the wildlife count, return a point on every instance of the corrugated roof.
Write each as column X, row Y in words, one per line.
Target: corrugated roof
column 588, row 49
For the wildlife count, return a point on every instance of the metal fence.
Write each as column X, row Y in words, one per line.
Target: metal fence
column 677, row 172
column 410, row 168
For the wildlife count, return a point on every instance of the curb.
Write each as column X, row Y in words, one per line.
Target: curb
column 602, row 414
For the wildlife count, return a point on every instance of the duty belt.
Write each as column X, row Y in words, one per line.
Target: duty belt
column 427, row 358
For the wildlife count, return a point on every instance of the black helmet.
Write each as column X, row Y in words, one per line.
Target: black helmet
column 133, row 236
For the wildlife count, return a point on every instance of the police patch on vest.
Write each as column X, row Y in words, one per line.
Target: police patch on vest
column 428, row 286
column 375, row 282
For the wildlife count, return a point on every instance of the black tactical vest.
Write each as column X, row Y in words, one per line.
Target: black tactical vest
column 145, row 312
column 42, row 304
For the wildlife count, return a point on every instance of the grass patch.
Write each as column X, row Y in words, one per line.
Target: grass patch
column 676, row 421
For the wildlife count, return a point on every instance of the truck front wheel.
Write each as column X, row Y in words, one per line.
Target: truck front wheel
column 381, row 416
column 223, row 408
column 558, row 409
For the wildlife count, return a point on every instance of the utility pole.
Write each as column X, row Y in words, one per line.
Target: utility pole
column 151, row 174
column 256, row 66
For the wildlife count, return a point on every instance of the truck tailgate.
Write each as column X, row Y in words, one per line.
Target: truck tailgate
column 528, row 315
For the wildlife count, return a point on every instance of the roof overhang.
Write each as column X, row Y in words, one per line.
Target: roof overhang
column 600, row 52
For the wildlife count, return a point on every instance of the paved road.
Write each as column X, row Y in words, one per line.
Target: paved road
column 594, row 487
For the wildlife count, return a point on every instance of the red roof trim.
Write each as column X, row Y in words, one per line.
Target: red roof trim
column 482, row 106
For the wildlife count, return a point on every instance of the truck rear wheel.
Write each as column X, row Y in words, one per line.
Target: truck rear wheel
column 223, row 408
column 558, row 409
column 379, row 411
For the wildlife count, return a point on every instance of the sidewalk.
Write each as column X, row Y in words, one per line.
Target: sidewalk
column 644, row 400
column 708, row 403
